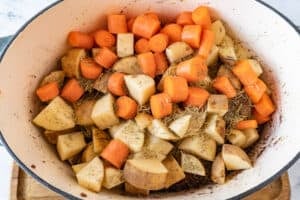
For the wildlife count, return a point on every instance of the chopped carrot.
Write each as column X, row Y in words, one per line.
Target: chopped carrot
column 116, row 84
column 160, row 105
column 48, row 92
column 185, row 18
column 191, row 34
column 142, row 46
column 72, row 91
column 145, row 26
column 104, row 38
column 256, row 90
column 173, row 31
column 206, row 43
column 130, row 24
column 265, row 106
column 147, row 63
column 105, row 57
column 196, row 97
column 126, row 107
column 152, row 15
column 192, row 70
column 116, row 153
column 158, row 42
column 245, row 73
column 161, row 63
column 246, row 124
column 117, row 23
column 176, row 87
column 223, row 85
column 201, row 16
column 90, row 69
column 259, row 118
column 80, row 40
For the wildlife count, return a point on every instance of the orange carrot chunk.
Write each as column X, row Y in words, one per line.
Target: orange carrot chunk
column 246, row 124
column 173, row 31
column 130, row 24
column 48, row 92
column 153, row 15
column 207, row 42
column 80, row 40
column 256, row 90
column 105, row 57
column 116, row 153
column 147, row 63
column 265, row 106
column 116, row 84
column 245, row 73
column 142, row 46
column 196, row 97
column 259, row 118
column 117, row 23
column 90, row 69
column 104, row 38
column 192, row 70
column 223, row 85
column 201, row 16
column 176, row 87
column 191, row 34
column 161, row 63
column 145, row 26
column 160, row 105
column 126, row 107
column 72, row 91
column 159, row 42
column 185, row 18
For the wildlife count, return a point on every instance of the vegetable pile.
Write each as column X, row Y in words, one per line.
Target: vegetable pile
column 148, row 105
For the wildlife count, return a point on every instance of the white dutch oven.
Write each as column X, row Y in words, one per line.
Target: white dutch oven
column 37, row 47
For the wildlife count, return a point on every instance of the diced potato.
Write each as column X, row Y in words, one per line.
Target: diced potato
column 145, row 174
column 218, row 172
column 76, row 168
column 160, row 130
column 171, row 71
column 92, row 175
column 125, row 44
column 213, row 56
column 69, row 145
column 218, row 104
column 131, row 135
column 56, row 116
column 103, row 113
column 70, row 63
column 236, row 137
column 148, row 154
column 206, row 83
column 130, row 189
column 191, row 164
column 112, row 177
column 225, row 71
column 251, row 137
column 175, row 172
column 100, row 140
column 112, row 130
column 227, row 52
column 127, row 65
column 215, row 128
column 241, row 51
column 143, row 120
column 83, row 113
column 158, row 145
column 88, row 154
column 55, row 76
column 256, row 66
column 140, row 87
column 181, row 125
column 202, row 146
column 177, row 51
column 219, row 30
column 101, row 83
column 52, row 136
column 235, row 158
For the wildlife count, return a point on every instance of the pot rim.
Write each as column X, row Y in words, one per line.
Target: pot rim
column 70, row 196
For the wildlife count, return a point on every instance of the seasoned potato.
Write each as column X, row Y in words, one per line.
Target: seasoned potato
column 219, row 30
column 112, row 177
column 171, row 71
column 227, row 52
column 92, row 175
column 251, row 137
column 217, row 103
column 130, row 189
column 158, row 145
column 76, row 168
column 56, row 116
column 55, row 76
column 112, row 130
column 100, row 140
column 202, row 146
column 125, row 44
column 218, row 172
column 83, row 113
column 175, row 172
column 213, row 57
column 88, row 154
column 70, row 63
column 235, row 158
column 241, row 51
column 191, row 164
column 256, row 66
column 101, row 83
column 160, row 130
column 52, row 136
column 140, row 87
column 236, row 137
column 181, row 125
column 177, row 51
column 143, row 120
column 103, row 113
column 225, row 71
column 69, row 145
column 127, row 65
column 215, row 128
column 148, row 154
column 145, row 174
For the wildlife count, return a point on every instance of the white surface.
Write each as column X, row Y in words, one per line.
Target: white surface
column 5, row 173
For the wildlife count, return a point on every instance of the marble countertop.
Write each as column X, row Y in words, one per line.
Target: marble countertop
column 14, row 13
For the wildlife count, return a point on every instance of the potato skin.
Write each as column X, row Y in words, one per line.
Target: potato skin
column 71, row 61
column 218, row 170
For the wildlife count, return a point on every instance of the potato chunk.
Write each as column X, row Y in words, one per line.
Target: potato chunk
column 215, row 128
column 219, row 30
column 175, row 172
column 235, row 158
column 70, row 63
column 218, row 104
column 178, row 51
column 101, row 83
column 130, row 189
column 143, row 120
column 125, row 43
column 218, row 170
column 83, row 113
column 158, row 145
column 148, row 154
column 227, row 52
column 251, row 137
column 76, row 168
column 236, row 137
column 69, row 145
column 191, row 164
column 88, row 154
column 256, row 66
column 160, row 130
column 100, row 140
column 55, row 76
column 213, row 56
column 127, row 65
column 181, row 125
column 112, row 177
